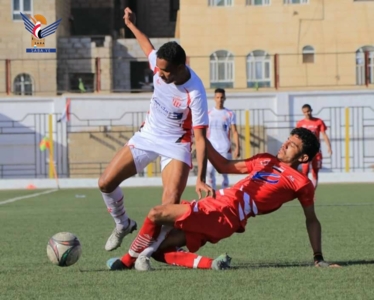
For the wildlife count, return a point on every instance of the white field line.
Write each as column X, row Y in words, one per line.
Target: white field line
column 27, row 196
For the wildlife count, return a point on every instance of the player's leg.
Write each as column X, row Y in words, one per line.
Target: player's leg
column 174, row 179
column 149, row 234
column 126, row 163
column 211, row 175
column 175, row 257
column 316, row 166
column 225, row 182
column 305, row 169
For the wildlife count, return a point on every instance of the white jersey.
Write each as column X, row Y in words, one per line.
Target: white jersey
column 220, row 122
column 175, row 109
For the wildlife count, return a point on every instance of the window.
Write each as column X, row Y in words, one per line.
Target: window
column 360, row 65
column 308, row 55
column 82, row 82
column 23, row 6
column 258, row 69
column 296, row 1
column 258, row 2
column 222, row 69
column 220, row 2
column 23, row 85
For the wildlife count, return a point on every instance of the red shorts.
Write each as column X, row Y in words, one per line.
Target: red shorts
column 316, row 164
column 208, row 220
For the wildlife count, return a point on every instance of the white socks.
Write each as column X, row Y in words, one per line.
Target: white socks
column 114, row 203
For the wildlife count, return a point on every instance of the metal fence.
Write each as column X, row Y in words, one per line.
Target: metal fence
column 257, row 70
column 83, row 148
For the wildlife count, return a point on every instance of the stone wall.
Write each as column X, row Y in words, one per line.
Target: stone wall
column 76, row 55
column 126, row 51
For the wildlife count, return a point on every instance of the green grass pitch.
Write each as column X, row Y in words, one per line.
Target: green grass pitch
column 272, row 259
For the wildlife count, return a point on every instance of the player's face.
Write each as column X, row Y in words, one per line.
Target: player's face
column 167, row 71
column 307, row 113
column 219, row 98
column 291, row 151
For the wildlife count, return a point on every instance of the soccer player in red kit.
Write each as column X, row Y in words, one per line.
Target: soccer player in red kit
column 317, row 126
column 271, row 181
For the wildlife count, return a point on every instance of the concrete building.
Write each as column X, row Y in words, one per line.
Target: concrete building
column 320, row 44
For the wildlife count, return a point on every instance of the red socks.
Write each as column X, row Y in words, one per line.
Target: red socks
column 183, row 259
column 147, row 235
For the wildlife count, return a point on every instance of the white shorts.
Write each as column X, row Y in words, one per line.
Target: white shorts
column 145, row 148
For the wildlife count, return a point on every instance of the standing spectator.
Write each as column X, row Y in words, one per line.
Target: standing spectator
column 316, row 126
column 222, row 122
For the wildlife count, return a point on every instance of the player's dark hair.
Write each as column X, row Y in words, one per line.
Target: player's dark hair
column 307, row 106
column 219, row 90
column 173, row 53
column 311, row 144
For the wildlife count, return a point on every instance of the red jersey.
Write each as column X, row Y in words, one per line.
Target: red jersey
column 315, row 125
column 268, row 186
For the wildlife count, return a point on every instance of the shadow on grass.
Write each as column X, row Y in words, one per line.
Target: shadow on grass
column 246, row 266
column 301, row 264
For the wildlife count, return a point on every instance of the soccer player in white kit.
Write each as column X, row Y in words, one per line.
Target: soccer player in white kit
column 222, row 122
column 178, row 106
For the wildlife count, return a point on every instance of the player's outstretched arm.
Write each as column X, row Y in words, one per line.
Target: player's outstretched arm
column 223, row 165
column 143, row 40
column 314, row 231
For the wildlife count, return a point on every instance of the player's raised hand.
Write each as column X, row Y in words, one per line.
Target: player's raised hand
column 203, row 187
column 129, row 17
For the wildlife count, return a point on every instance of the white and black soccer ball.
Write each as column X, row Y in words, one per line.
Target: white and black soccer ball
column 64, row 249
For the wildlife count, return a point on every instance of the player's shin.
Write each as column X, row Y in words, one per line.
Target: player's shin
column 183, row 259
column 154, row 246
column 147, row 236
column 114, row 202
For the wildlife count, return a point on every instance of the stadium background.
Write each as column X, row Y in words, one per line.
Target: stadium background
column 271, row 56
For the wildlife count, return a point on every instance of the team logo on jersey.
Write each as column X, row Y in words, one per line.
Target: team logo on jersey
column 177, row 102
column 290, row 177
column 264, row 162
column 266, row 177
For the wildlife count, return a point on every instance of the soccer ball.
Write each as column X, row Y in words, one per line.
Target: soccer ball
column 64, row 249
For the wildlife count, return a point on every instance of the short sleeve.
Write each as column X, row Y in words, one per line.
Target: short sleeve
column 233, row 118
column 298, row 124
column 323, row 126
column 199, row 109
column 306, row 194
column 251, row 162
column 152, row 57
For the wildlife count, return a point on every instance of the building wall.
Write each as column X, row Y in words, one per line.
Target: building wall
column 15, row 39
column 92, row 17
column 126, row 52
column 63, row 11
column 77, row 59
column 334, row 26
column 154, row 18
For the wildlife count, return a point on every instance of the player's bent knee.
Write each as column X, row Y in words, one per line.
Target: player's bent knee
column 155, row 213
column 105, row 185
